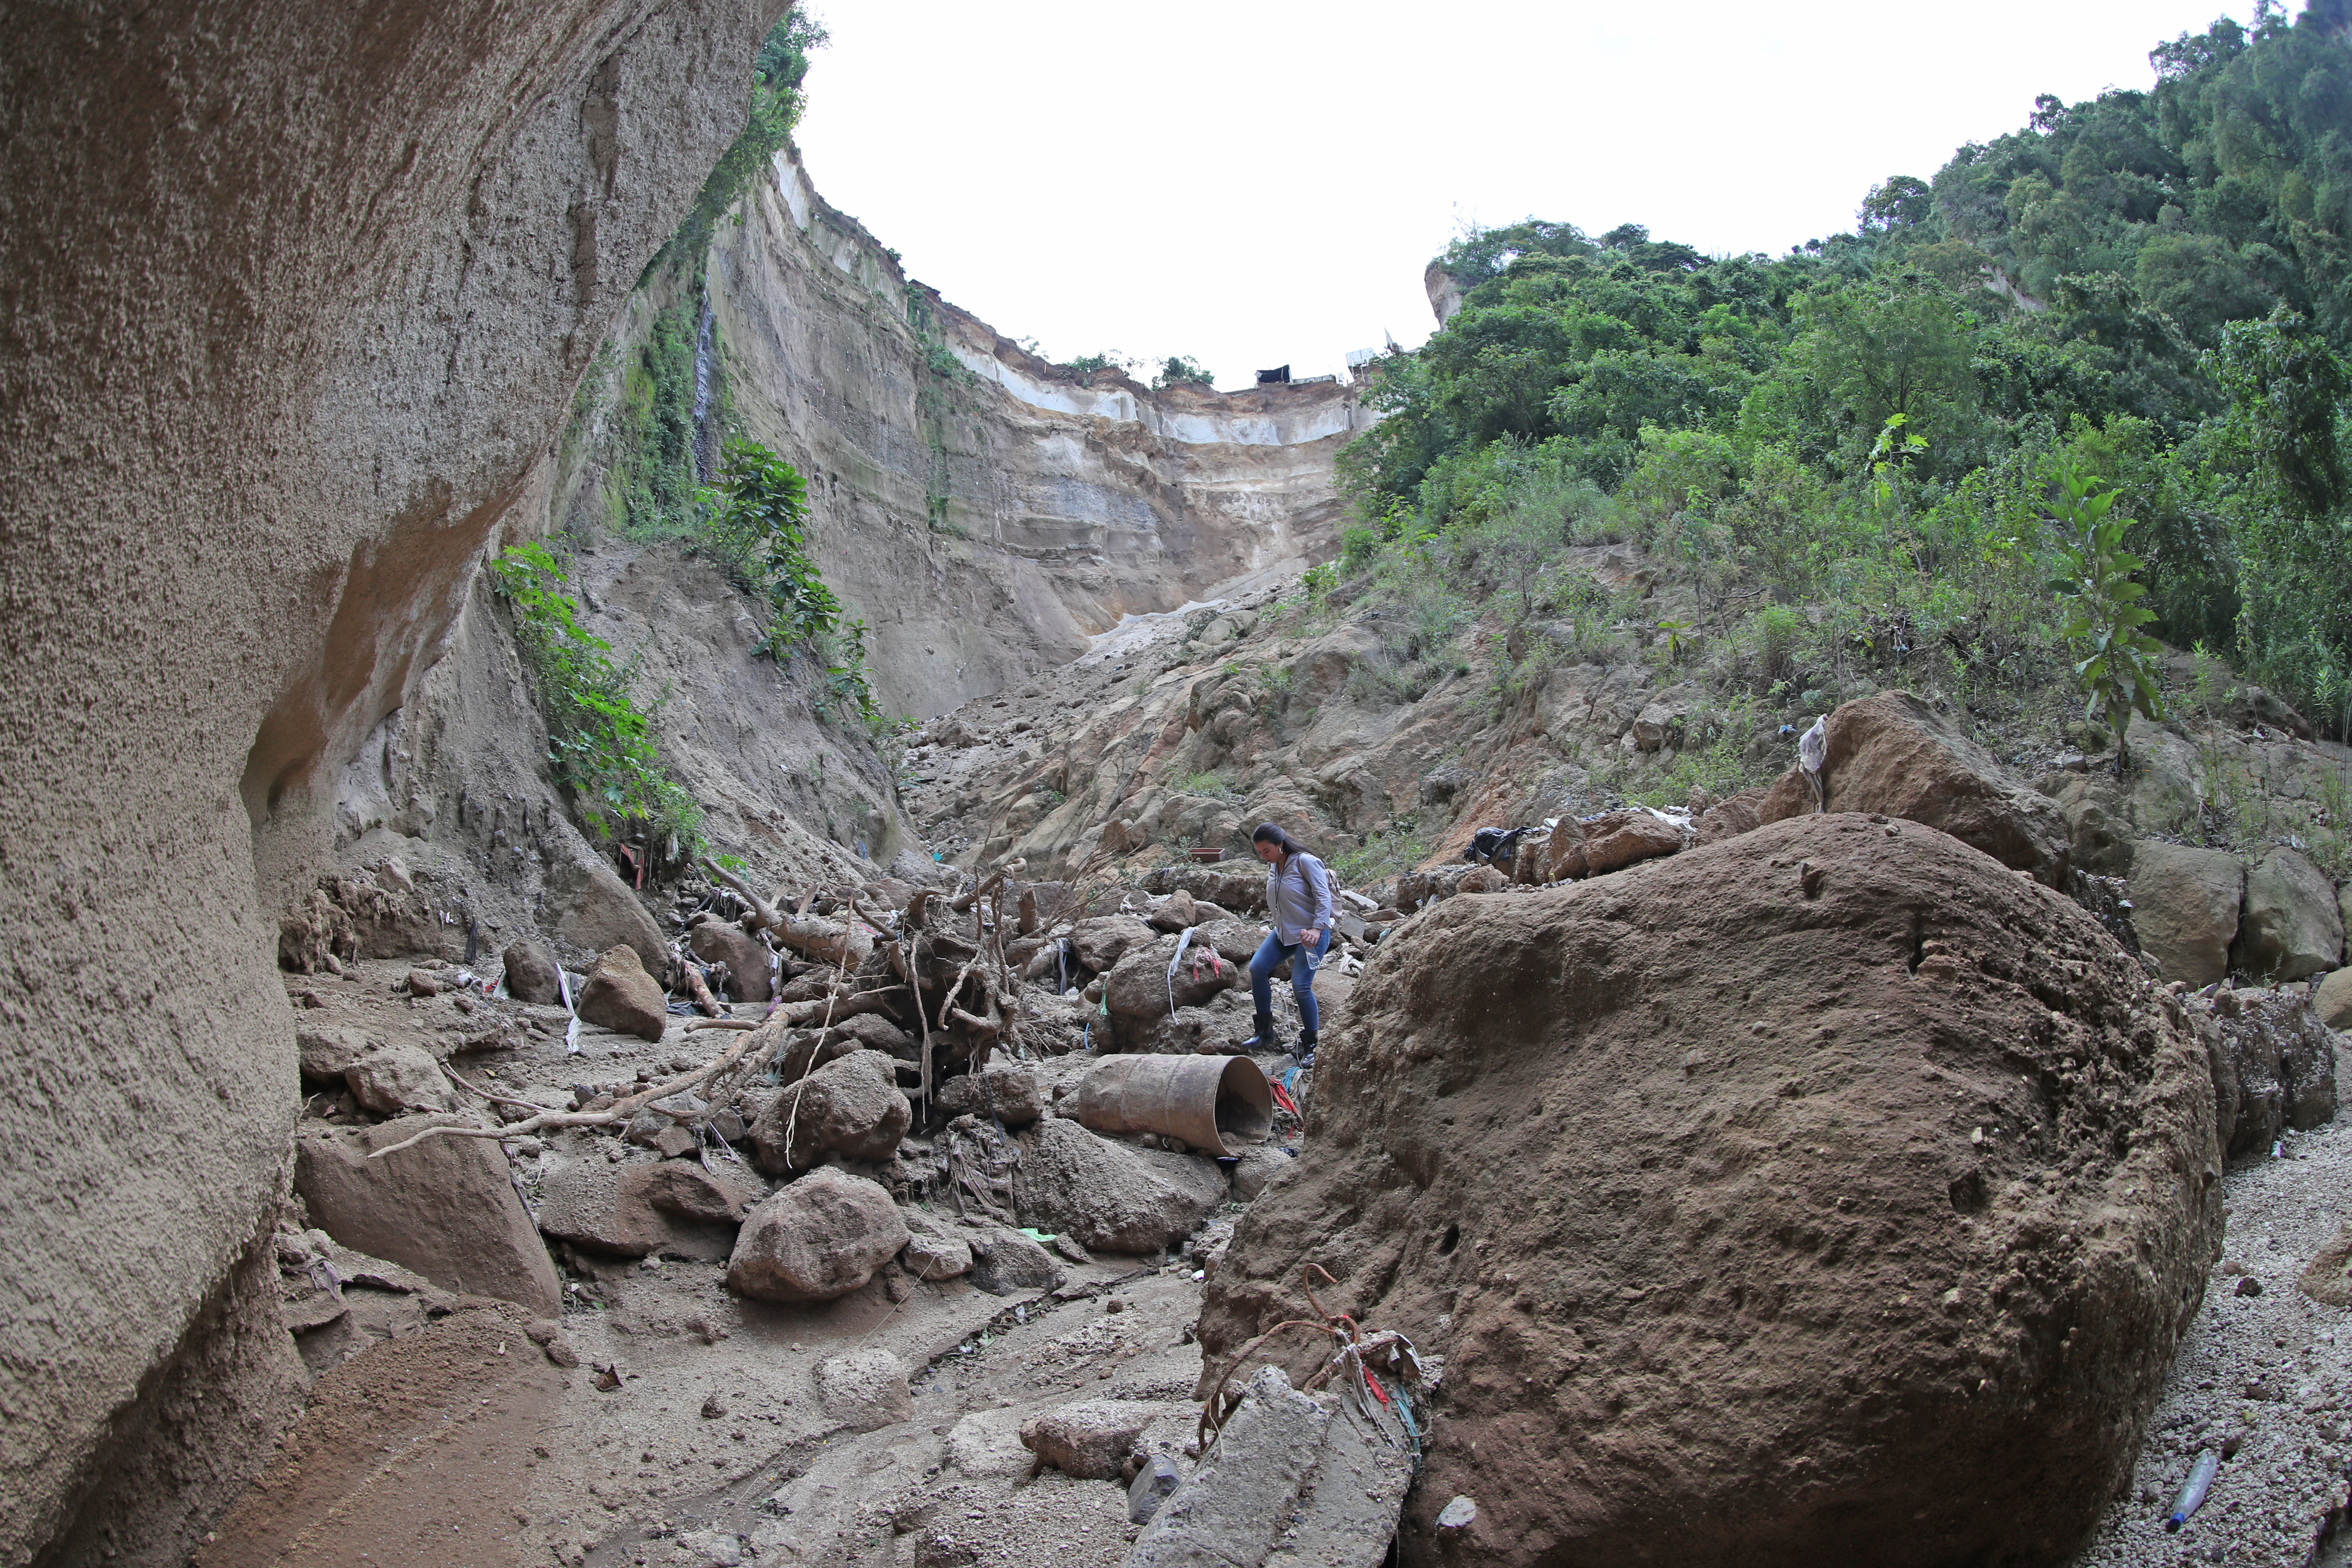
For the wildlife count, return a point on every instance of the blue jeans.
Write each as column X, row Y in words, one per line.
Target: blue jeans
column 1303, row 957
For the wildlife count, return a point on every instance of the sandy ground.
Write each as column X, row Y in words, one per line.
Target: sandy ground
column 2271, row 1372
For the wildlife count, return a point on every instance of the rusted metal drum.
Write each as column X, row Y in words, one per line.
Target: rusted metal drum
column 1216, row 1105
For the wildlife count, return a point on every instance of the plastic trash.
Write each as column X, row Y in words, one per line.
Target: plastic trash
column 2193, row 1490
column 1150, row 1487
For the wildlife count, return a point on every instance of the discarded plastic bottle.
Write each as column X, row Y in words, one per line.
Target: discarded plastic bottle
column 2193, row 1490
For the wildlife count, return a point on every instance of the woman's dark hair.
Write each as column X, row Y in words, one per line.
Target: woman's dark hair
column 1268, row 833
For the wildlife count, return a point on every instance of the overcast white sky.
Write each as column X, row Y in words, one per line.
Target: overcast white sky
column 1251, row 183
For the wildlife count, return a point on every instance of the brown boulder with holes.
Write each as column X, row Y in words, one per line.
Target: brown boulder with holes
column 820, row 1237
column 1895, row 755
column 746, row 957
column 1089, row 1440
column 621, row 997
column 1826, row 1187
column 850, row 1107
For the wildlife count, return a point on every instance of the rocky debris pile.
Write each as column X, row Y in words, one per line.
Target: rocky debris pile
column 1916, row 1171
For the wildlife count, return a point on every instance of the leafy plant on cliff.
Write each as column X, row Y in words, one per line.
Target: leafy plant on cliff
column 755, row 530
column 600, row 743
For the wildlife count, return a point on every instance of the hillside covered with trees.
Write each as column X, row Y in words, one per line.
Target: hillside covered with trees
column 1855, row 447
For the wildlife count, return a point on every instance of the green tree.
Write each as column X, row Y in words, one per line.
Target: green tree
column 1181, row 370
column 2101, row 605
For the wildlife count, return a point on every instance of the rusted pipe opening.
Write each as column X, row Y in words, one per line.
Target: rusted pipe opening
column 1244, row 1105
column 1214, row 1105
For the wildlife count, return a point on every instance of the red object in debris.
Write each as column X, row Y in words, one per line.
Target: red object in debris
column 1210, row 856
column 1282, row 1097
column 1374, row 1384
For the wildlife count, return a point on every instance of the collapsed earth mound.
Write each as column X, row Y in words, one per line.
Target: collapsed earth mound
column 1832, row 1193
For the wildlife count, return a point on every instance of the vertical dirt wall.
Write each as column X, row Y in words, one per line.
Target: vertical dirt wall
column 292, row 299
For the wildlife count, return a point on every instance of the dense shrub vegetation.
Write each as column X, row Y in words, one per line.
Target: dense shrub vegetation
column 1850, row 447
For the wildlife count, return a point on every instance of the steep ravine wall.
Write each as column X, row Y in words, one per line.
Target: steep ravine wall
column 983, row 510
column 292, row 300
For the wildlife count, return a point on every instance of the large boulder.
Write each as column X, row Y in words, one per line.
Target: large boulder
column 1139, row 987
column 2184, row 907
column 2292, row 927
column 820, row 1237
column 1006, row 1092
column 671, row 1207
column 715, row 941
column 1616, row 839
column 1826, row 1186
column 445, row 1208
column 1101, row 943
column 621, row 997
column 850, row 1107
column 594, row 909
column 1110, row 1196
column 2273, row 1065
column 1894, row 755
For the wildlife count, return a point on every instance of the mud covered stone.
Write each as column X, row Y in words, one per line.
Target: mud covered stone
column 1140, row 988
column 745, row 956
column 445, row 1208
column 865, row 1389
column 851, row 1106
column 1617, row 840
column 531, row 974
column 2273, row 1065
column 934, row 1251
column 397, row 1077
column 1005, row 1091
column 666, row 1206
column 2292, row 927
column 2184, row 907
column 820, row 1237
column 1110, row 1196
column 1101, row 943
column 1833, row 1160
column 1003, row 1260
column 1090, row 1440
column 621, row 997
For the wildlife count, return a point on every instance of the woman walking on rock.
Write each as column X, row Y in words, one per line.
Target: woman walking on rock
column 1298, row 901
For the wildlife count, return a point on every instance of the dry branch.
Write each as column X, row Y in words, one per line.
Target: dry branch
column 619, row 1111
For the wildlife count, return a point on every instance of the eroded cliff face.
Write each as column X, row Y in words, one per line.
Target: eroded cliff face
column 984, row 512
column 294, row 299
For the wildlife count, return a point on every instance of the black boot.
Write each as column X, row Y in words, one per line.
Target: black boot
column 1265, row 1039
column 1306, row 1048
